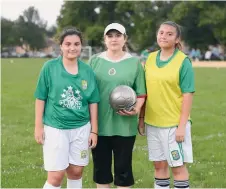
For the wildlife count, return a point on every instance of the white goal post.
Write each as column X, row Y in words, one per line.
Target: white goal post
column 86, row 53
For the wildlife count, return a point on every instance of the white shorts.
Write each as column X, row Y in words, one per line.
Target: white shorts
column 162, row 145
column 65, row 146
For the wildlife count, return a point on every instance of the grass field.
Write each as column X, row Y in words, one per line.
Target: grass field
column 22, row 164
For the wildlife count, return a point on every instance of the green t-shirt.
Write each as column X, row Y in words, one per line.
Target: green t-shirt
column 67, row 96
column 144, row 55
column 186, row 75
column 128, row 71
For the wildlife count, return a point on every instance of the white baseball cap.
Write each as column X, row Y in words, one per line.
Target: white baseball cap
column 115, row 26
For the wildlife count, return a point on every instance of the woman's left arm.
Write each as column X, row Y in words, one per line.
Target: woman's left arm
column 93, row 117
column 188, row 88
column 185, row 109
column 94, row 125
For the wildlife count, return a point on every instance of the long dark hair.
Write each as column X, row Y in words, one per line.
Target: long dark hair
column 178, row 30
column 70, row 31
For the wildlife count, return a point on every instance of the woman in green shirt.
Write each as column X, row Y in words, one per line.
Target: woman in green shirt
column 116, row 131
column 66, row 113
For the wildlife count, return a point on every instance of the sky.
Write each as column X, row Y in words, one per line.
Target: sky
column 48, row 9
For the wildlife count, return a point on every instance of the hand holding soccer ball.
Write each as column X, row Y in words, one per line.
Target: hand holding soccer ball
column 123, row 99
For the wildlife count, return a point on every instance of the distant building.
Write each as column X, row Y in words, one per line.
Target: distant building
column 52, row 48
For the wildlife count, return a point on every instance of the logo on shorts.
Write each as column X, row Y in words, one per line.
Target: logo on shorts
column 175, row 154
column 112, row 71
column 84, row 154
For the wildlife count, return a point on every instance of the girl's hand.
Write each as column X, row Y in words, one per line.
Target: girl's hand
column 141, row 127
column 39, row 134
column 180, row 133
column 93, row 140
column 134, row 111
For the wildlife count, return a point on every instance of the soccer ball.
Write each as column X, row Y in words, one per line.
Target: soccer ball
column 122, row 98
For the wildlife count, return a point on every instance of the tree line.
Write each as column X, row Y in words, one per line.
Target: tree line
column 202, row 22
column 28, row 31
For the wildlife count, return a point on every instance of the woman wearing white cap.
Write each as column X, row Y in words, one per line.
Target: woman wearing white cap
column 116, row 131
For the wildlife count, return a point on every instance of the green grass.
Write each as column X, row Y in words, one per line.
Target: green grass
column 22, row 164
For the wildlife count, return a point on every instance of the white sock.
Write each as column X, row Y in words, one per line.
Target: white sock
column 74, row 183
column 162, row 183
column 162, row 187
column 181, row 184
column 47, row 185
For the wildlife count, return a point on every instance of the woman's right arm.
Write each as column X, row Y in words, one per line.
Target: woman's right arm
column 41, row 95
column 39, row 130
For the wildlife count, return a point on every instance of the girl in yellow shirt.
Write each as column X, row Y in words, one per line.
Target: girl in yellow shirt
column 170, row 88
